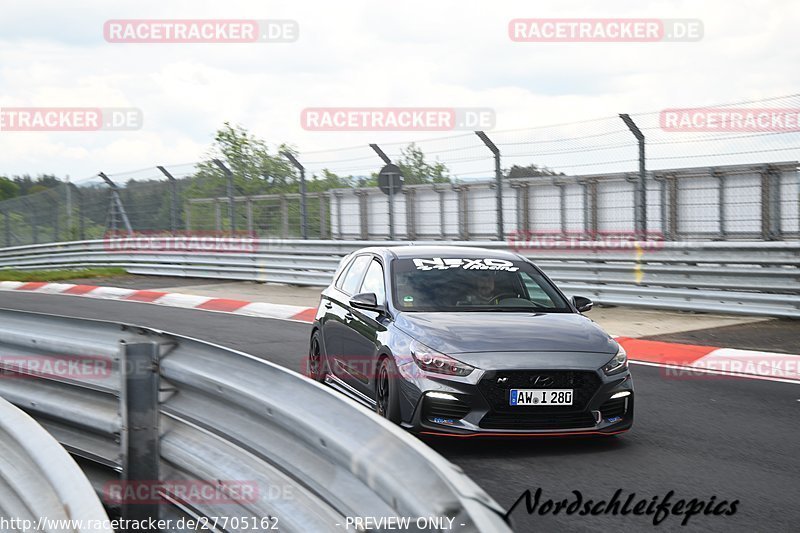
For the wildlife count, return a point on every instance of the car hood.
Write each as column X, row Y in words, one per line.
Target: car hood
column 500, row 332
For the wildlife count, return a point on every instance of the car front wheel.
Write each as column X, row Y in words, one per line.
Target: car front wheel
column 387, row 401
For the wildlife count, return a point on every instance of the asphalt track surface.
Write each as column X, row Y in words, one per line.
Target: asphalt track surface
column 735, row 439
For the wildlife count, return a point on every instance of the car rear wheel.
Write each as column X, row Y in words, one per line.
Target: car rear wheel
column 387, row 401
column 314, row 364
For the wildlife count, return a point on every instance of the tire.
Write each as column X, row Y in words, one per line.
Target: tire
column 315, row 364
column 387, row 394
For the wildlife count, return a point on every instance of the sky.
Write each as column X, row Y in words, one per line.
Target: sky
column 358, row 53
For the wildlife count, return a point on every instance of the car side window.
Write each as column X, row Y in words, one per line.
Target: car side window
column 355, row 273
column 343, row 274
column 373, row 282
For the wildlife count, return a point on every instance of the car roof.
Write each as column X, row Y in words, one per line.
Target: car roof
column 406, row 252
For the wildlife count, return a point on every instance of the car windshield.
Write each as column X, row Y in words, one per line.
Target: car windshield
column 457, row 284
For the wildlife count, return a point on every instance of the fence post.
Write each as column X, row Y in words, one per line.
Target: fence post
column 218, row 215
column 363, row 215
column 463, row 211
column 140, row 427
column 721, row 197
column 284, row 217
column 770, row 204
column 562, row 205
column 187, row 215
column 662, row 184
column 439, row 190
column 116, row 204
column 303, row 211
column 231, row 200
column 7, row 221
column 322, row 209
column 640, row 197
column 390, row 199
column 672, row 196
column 339, row 195
column 524, row 193
column 498, row 178
column 173, row 206
column 411, row 213
column 250, row 216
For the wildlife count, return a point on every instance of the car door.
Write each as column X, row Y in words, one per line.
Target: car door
column 361, row 341
column 338, row 315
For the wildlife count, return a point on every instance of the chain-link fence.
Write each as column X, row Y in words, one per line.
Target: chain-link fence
column 578, row 179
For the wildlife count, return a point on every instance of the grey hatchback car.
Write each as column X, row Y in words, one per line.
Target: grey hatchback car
column 468, row 342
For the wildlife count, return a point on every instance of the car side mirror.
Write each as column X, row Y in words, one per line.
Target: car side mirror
column 582, row 303
column 365, row 300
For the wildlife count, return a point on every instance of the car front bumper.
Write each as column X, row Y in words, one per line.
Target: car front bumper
column 478, row 405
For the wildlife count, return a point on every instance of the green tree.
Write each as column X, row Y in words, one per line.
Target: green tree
column 8, row 189
column 255, row 170
column 417, row 170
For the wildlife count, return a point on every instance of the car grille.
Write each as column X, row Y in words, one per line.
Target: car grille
column 537, row 421
column 613, row 408
column 438, row 408
column 583, row 383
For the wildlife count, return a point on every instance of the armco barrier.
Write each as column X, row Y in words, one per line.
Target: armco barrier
column 41, row 487
column 135, row 405
column 754, row 278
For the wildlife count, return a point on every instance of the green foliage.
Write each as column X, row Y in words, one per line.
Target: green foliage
column 416, row 170
column 255, row 170
column 8, row 189
column 530, row 171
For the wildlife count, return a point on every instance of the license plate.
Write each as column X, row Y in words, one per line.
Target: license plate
column 540, row 397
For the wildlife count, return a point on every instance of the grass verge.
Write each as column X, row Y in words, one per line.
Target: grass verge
column 59, row 275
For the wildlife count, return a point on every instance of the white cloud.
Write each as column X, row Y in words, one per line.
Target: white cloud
column 361, row 53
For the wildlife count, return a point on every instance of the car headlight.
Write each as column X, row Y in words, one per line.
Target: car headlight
column 618, row 364
column 432, row 361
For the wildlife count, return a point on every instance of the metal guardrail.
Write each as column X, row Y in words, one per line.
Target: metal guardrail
column 217, row 416
column 41, row 486
column 754, row 278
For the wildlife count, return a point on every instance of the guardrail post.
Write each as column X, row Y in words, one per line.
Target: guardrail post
column 140, row 425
